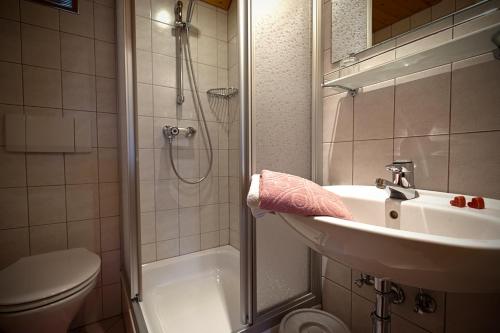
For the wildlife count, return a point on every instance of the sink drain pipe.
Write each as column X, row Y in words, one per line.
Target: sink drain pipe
column 381, row 317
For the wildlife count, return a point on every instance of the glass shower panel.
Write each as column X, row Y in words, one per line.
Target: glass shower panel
column 282, row 120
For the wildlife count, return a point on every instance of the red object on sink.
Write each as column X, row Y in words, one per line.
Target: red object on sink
column 476, row 202
column 458, row 201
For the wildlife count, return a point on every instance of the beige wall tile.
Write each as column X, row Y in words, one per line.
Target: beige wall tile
column 79, row 91
column 6, row 110
column 81, row 24
column 167, row 194
column 148, row 253
column 40, row 15
column 108, row 165
column 85, row 116
column 147, row 196
column 209, row 240
column 82, row 202
column 41, row 47
column 45, row 169
column 46, row 204
column 85, row 234
column 9, row 9
column 337, row 272
column 110, row 267
column 77, row 54
column 189, row 221
column 42, row 87
column 106, row 95
column 337, row 163
column 13, row 207
column 430, row 157
column 107, row 130
column 163, row 39
column 209, row 191
column 12, row 169
column 475, row 109
column 474, row 161
column 209, row 218
column 167, row 249
column 374, row 112
column 14, row 244
column 144, row 99
column 111, row 300
column 144, row 64
column 109, row 198
column 10, row 39
column 110, row 233
column 146, row 164
column 337, row 301
column 104, row 23
column 143, row 33
column 167, row 224
column 189, row 244
column 370, row 159
column 11, row 83
column 148, row 228
column 81, row 168
column 105, row 63
column 189, row 195
column 47, row 238
column 461, row 317
column 145, row 132
column 337, row 118
column 221, row 25
column 164, row 70
column 422, row 104
column 361, row 310
column 224, row 237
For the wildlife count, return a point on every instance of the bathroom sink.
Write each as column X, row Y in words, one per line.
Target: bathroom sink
column 423, row 242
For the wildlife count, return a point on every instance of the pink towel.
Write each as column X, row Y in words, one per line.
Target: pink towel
column 280, row 192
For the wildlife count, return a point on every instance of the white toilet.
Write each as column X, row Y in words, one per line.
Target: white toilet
column 43, row 293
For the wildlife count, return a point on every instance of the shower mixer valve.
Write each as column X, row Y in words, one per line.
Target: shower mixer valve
column 172, row 131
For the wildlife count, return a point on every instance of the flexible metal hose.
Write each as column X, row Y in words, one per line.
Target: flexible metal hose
column 189, row 65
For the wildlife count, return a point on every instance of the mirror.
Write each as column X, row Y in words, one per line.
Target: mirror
column 360, row 24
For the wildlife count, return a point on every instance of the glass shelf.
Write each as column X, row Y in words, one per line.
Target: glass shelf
column 472, row 44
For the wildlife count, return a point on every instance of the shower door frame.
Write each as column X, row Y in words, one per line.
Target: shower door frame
column 260, row 321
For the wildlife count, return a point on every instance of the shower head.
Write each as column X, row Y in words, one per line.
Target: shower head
column 190, row 11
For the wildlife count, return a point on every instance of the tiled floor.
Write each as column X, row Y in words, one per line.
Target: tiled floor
column 110, row 325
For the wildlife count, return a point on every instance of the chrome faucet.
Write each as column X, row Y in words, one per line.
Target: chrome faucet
column 402, row 185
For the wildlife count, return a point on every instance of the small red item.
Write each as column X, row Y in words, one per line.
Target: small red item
column 458, row 201
column 476, row 202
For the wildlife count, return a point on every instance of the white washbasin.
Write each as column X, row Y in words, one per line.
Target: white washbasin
column 430, row 244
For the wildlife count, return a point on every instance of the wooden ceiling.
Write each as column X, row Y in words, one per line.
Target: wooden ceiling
column 387, row 12
column 224, row 4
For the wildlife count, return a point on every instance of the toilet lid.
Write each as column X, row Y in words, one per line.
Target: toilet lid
column 37, row 277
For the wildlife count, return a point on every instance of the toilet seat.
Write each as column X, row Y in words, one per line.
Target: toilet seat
column 39, row 280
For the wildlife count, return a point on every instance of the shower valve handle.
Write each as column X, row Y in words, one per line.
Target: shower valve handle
column 172, row 131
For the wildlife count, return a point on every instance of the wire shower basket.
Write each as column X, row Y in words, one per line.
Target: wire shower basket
column 222, row 105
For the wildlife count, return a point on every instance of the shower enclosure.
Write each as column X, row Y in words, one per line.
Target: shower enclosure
column 200, row 114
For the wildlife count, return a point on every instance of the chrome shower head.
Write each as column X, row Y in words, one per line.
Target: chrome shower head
column 190, row 11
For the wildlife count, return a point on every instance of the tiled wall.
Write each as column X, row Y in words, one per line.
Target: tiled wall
column 56, row 63
column 447, row 121
column 177, row 218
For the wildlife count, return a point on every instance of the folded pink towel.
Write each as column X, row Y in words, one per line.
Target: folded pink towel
column 280, row 192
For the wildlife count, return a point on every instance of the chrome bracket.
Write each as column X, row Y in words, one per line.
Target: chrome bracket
column 350, row 91
column 424, row 303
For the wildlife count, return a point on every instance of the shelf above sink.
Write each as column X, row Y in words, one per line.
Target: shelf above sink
column 470, row 45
